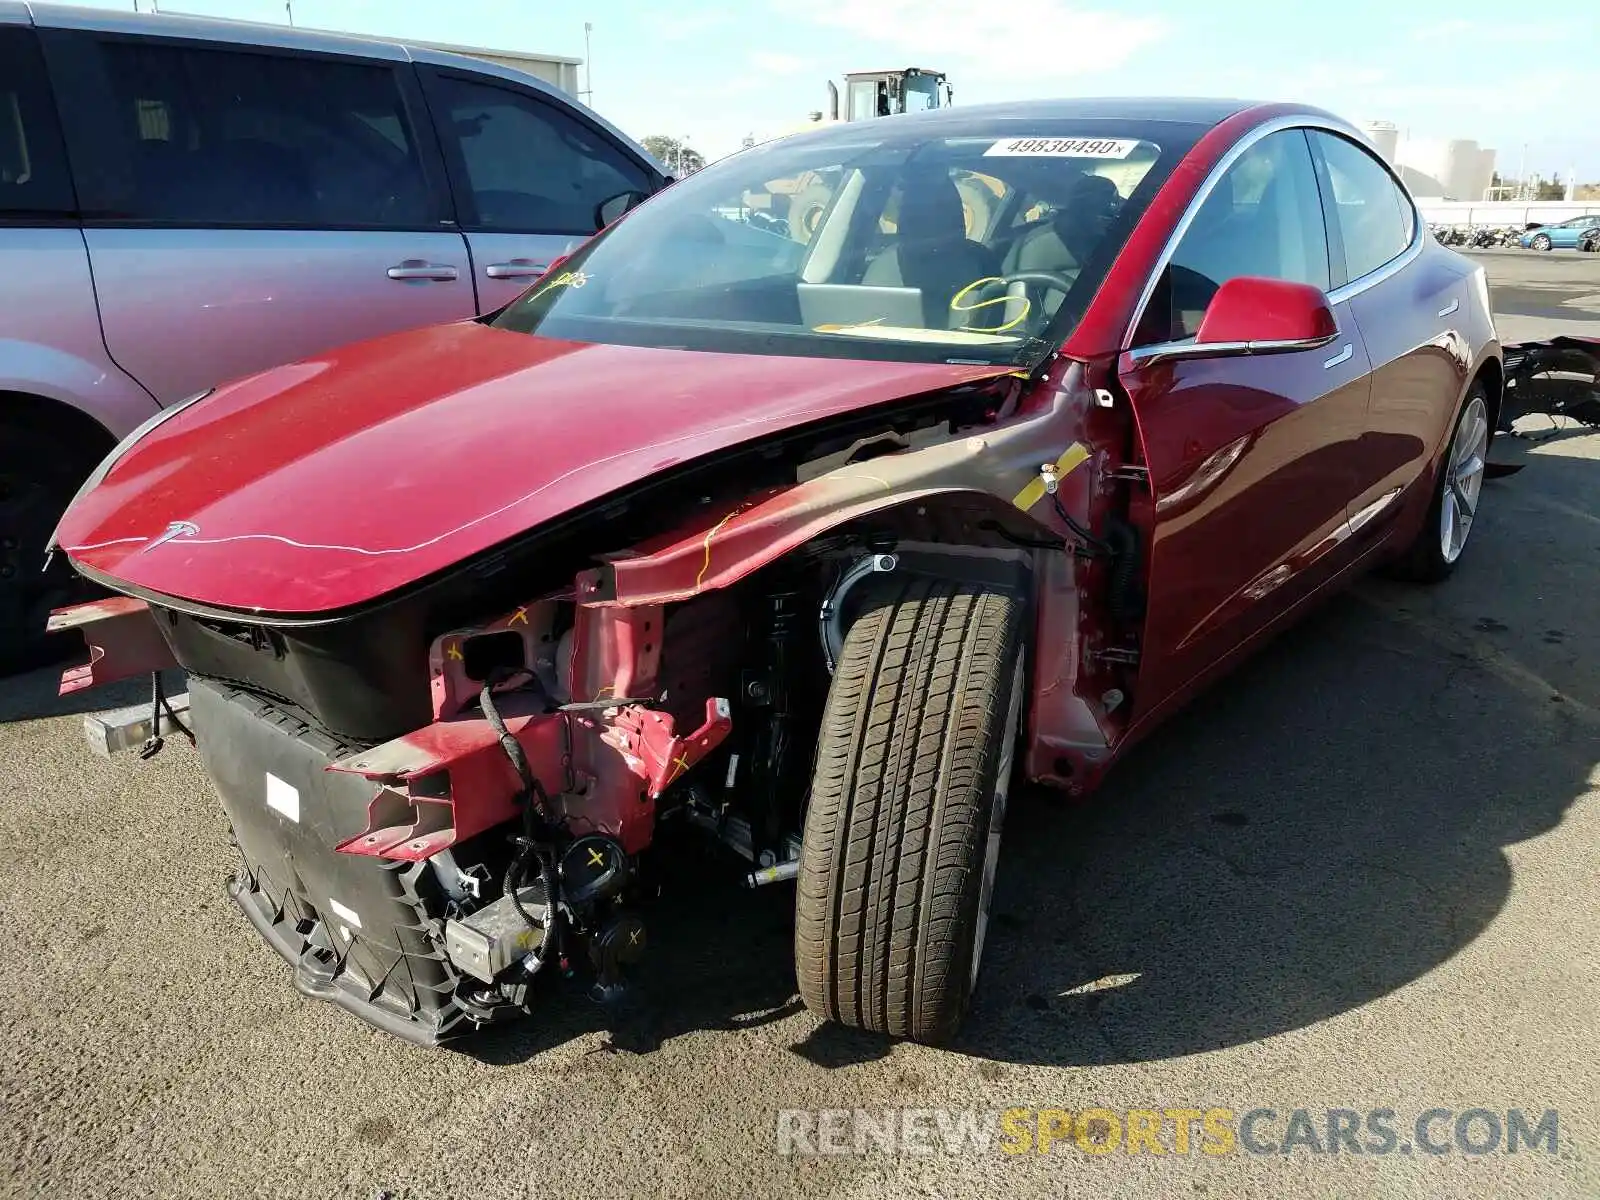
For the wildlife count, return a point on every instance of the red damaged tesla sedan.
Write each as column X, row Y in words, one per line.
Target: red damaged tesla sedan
column 802, row 509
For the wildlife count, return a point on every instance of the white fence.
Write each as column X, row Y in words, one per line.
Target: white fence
column 1503, row 212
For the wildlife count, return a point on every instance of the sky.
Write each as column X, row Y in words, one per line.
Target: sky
column 710, row 73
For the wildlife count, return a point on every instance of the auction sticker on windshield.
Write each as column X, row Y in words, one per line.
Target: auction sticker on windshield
column 1043, row 147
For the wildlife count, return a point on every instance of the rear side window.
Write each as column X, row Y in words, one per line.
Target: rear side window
column 1263, row 218
column 1375, row 220
column 33, row 171
column 186, row 136
column 530, row 167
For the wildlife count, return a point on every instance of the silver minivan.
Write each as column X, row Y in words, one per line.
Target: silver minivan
column 184, row 201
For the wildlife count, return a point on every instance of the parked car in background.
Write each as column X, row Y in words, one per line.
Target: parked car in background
column 1563, row 235
column 796, row 539
column 186, row 201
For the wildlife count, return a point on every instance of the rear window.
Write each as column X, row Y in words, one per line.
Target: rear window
column 33, row 174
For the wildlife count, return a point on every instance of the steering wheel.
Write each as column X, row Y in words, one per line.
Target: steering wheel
column 1048, row 279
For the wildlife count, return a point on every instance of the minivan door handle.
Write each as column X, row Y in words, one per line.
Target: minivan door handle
column 417, row 268
column 1449, row 308
column 1343, row 356
column 517, row 268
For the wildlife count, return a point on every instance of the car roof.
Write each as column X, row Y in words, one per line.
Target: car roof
column 1198, row 112
column 182, row 25
column 243, row 34
column 1175, row 122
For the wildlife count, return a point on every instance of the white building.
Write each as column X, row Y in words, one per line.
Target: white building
column 555, row 69
column 1454, row 169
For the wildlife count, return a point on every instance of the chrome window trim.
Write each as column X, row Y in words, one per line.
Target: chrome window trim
column 1235, row 152
column 1188, row 348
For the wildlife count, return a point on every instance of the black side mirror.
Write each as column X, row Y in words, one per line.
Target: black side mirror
column 609, row 210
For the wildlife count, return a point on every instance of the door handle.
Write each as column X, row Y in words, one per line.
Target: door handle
column 517, row 268
column 416, row 268
column 1343, row 356
column 1449, row 308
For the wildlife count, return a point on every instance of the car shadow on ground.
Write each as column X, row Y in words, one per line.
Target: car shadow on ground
column 1325, row 827
column 33, row 695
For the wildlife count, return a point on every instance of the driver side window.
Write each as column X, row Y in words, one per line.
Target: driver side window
column 1263, row 218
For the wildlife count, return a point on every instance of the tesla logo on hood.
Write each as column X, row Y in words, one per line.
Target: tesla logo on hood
column 174, row 530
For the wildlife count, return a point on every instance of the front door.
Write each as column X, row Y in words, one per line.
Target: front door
column 245, row 207
column 1252, row 459
column 528, row 173
column 1410, row 299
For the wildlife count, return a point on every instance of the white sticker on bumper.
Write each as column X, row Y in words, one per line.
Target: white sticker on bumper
column 282, row 797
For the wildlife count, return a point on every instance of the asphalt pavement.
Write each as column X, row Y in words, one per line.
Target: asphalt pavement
column 1358, row 875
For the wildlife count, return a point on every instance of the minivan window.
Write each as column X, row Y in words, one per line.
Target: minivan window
column 225, row 137
column 1375, row 219
column 33, row 173
column 529, row 166
column 1263, row 218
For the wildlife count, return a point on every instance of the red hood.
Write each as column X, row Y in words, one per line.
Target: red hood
column 326, row 483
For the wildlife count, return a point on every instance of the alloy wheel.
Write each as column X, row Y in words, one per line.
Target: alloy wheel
column 1463, row 479
column 997, row 817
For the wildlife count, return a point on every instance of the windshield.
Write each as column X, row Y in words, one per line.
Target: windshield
column 884, row 244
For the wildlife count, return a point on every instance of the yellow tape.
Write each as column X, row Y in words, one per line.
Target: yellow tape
column 956, row 306
column 715, row 529
column 1071, row 458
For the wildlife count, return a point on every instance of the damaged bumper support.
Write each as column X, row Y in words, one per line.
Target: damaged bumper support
column 336, row 838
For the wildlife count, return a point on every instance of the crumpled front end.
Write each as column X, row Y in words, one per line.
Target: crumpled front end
column 445, row 794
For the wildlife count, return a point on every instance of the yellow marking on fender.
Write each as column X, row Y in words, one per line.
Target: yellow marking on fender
column 520, row 615
column 679, row 766
column 453, row 651
column 1071, row 458
column 714, row 530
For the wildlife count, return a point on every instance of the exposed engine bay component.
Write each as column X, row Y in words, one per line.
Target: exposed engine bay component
column 619, row 942
column 498, row 936
column 1560, row 377
column 593, row 869
column 831, row 617
column 778, row 873
column 734, row 832
column 463, row 887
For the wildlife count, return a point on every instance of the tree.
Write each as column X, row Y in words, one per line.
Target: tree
column 678, row 157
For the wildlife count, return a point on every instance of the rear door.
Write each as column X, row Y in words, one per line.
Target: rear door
column 528, row 172
column 1251, row 458
column 245, row 206
column 1410, row 299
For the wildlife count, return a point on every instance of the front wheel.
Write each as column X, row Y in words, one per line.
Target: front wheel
column 902, row 834
column 1543, row 242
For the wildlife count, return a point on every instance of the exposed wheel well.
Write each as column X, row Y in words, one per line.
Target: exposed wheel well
column 76, row 430
column 1492, row 374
